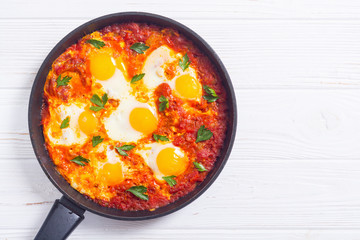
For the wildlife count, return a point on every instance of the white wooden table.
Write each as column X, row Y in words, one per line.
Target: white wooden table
column 294, row 172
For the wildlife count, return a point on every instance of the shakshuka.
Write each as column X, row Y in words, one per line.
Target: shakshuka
column 134, row 116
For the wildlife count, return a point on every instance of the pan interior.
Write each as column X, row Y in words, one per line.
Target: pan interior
column 36, row 100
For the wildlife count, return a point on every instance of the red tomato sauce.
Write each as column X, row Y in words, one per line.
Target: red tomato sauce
column 206, row 152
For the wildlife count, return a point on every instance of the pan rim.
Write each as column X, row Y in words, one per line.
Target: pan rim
column 118, row 214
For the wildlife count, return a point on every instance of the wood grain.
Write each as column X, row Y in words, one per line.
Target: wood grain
column 264, row 54
column 188, row 9
column 266, row 194
column 294, row 171
column 138, row 233
column 272, row 124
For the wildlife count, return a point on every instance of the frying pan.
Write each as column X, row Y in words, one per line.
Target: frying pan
column 67, row 212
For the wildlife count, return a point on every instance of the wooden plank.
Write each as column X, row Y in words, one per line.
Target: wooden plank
column 136, row 232
column 226, row 9
column 249, row 194
column 272, row 124
column 261, row 54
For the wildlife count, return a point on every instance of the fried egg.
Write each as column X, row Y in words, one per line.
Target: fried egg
column 184, row 83
column 131, row 121
column 153, row 67
column 108, row 169
column 112, row 170
column 110, row 74
column 82, row 124
column 164, row 159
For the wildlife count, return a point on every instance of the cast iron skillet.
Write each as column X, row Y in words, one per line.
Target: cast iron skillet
column 67, row 212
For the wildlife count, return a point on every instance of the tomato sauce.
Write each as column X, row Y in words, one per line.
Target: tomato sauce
column 74, row 62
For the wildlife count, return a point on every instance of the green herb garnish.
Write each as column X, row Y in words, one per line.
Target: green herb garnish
column 164, row 103
column 121, row 150
column 170, row 180
column 96, row 43
column 96, row 140
column 80, row 160
column 96, row 108
column 199, row 167
column 95, row 99
column 62, row 82
column 160, row 137
column 65, row 123
column 139, row 47
column 203, row 134
column 138, row 191
column 184, row 62
column 212, row 96
column 137, row 77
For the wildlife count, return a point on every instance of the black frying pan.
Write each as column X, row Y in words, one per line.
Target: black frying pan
column 67, row 212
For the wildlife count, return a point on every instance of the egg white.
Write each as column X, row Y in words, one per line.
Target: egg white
column 118, row 125
column 116, row 87
column 154, row 69
column 97, row 163
column 150, row 152
column 112, row 157
column 71, row 134
column 190, row 71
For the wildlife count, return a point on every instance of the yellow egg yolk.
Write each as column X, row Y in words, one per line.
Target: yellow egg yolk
column 87, row 122
column 188, row 87
column 111, row 174
column 143, row 120
column 170, row 163
column 101, row 66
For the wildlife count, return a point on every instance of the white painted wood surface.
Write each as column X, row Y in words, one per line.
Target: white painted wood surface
column 294, row 172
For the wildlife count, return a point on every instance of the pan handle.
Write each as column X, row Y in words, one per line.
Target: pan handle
column 62, row 219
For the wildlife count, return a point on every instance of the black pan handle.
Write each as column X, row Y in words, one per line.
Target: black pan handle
column 62, row 219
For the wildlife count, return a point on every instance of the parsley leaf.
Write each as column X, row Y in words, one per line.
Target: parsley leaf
column 164, row 103
column 80, row 160
column 62, row 82
column 95, row 99
column 96, row 43
column 95, row 108
column 121, row 150
column 104, row 98
column 65, row 123
column 170, row 180
column 184, row 62
column 203, row 134
column 138, row 191
column 160, row 137
column 139, row 47
column 96, row 140
column 212, row 96
column 137, row 77
column 199, row 167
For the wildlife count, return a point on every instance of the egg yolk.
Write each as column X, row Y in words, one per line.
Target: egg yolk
column 111, row 174
column 143, row 120
column 170, row 163
column 101, row 66
column 187, row 86
column 87, row 122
